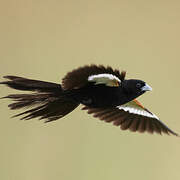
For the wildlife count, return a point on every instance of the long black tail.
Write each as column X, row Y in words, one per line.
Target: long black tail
column 47, row 100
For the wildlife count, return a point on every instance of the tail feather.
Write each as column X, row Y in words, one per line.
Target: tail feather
column 25, row 84
column 27, row 100
column 51, row 111
column 47, row 102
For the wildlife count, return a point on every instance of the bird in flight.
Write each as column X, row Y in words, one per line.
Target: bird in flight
column 104, row 92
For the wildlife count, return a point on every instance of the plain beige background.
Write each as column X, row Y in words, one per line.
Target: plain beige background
column 44, row 40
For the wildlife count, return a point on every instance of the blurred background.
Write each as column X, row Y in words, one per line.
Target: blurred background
column 46, row 39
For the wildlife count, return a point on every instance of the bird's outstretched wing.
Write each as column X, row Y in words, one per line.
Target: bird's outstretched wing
column 132, row 116
column 98, row 74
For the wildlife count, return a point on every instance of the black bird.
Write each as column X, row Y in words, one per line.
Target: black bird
column 104, row 92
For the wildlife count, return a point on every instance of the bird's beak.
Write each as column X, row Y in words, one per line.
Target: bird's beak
column 146, row 88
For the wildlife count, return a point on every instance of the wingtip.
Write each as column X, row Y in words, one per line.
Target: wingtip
column 175, row 134
column 170, row 133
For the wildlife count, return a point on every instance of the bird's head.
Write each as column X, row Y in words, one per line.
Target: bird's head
column 135, row 88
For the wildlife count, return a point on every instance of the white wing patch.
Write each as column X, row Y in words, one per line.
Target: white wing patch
column 107, row 79
column 133, row 107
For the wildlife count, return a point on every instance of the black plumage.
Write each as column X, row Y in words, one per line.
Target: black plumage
column 104, row 92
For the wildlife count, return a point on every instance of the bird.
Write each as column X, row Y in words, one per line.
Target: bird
column 103, row 91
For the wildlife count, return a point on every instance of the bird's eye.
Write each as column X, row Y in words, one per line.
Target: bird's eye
column 138, row 85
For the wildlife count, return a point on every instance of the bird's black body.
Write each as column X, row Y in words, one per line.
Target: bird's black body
column 99, row 97
column 103, row 96
column 105, row 93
